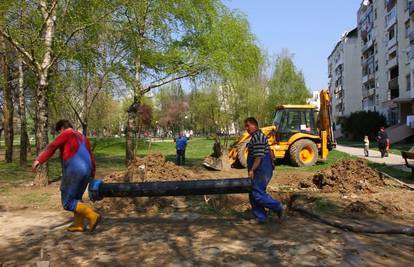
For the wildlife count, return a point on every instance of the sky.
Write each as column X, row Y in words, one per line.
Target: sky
column 309, row 29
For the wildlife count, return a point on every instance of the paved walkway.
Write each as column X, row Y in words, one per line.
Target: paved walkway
column 392, row 160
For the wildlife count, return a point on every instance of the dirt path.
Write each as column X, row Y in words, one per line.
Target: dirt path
column 191, row 239
column 214, row 233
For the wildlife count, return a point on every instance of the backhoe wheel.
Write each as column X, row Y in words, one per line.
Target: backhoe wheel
column 242, row 154
column 303, row 153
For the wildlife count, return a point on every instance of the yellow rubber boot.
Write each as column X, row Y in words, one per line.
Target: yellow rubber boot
column 77, row 225
column 87, row 212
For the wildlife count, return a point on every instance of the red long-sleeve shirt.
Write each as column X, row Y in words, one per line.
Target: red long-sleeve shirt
column 67, row 142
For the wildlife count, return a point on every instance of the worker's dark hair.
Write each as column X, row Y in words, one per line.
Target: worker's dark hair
column 65, row 124
column 251, row 120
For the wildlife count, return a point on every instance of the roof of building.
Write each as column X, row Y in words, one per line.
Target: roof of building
column 351, row 33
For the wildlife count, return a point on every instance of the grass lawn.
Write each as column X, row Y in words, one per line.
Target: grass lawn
column 110, row 155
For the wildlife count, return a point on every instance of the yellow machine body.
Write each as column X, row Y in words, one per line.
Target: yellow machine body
column 301, row 133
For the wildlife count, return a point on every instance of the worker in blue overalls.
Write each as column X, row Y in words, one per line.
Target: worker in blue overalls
column 260, row 169
column 180, row 145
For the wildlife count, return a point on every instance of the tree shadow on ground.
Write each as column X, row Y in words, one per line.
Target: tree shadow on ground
column 193, row 240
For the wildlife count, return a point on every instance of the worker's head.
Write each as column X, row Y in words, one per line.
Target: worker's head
column 251, row 125
column 382, row 129
column 62, row 125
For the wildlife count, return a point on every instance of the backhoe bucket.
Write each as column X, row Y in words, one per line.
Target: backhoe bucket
column 217, row 160
column 217, row 164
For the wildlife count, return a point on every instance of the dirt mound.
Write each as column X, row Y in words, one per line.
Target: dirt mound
column 348, row 175
column 153, row 167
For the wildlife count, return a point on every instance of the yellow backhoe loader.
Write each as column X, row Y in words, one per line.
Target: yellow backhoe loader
column 301, row 134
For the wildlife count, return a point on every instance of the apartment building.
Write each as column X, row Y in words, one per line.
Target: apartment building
column 386, row 30
column 315, row 99
column 383, row 78
column 345, row 76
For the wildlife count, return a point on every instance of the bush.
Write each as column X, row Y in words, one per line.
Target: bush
column 362, row 123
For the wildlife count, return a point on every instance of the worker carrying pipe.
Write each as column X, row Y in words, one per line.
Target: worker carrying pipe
column 78, row 165
column 260, row 170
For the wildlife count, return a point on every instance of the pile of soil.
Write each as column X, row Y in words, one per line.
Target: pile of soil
column 348, row 176
column 153, row 167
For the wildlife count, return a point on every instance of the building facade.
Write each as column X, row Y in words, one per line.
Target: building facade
column 385, row 40
column 345, row 76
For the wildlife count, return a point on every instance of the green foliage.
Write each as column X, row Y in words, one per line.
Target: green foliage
column 205, row 111
column 362, row 123
column 287, row 85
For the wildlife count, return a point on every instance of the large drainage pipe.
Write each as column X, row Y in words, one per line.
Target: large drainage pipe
column 99, row 190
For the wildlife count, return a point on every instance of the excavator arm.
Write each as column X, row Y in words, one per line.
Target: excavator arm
column 325, row 123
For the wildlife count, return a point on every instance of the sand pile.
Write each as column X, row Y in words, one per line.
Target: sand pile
column 348, row 175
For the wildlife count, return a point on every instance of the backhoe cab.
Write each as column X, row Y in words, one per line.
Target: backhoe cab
column 300, row 133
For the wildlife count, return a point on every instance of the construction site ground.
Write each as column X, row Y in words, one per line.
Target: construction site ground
column 215, row 230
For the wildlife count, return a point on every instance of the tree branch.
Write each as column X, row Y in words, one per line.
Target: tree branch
column 74, row 110
column 74, row 32
column 21, row 49
column 167, row 80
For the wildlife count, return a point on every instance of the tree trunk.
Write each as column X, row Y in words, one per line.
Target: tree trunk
column 8, row 103
column 85, row 112
column 41, row 178
column 85, row 128
column 132, row 127
column 24, row 138
column 42, row 115
column 131, row 131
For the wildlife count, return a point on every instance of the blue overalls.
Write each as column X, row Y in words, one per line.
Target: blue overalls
column 259, row 198
column 76, row 176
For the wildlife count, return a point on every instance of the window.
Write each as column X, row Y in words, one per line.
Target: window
column 391, row 33
column 407, row 28
column 408, row 82
column 375, row 14
column 392, row 55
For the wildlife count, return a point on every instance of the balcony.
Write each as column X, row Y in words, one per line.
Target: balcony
column 367, row 45
column 391, row 18
column 393, row 84
column 371, row 92
column 338, row 89
column 392, row 94
column 411, row 8
column 365, row 78
column 392, row 62
column 391, row 43
column 367, row 61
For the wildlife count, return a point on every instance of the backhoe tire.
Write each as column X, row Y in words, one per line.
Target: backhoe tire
column 303, row 153
column 241, row 156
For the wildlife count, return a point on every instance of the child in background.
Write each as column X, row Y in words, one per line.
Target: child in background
column 366, row 146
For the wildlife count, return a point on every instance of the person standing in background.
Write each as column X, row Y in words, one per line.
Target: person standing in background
column 383, row 141
column 180, row 146
column 366, row 146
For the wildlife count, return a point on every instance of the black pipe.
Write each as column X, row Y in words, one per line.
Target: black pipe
column 99, row 190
